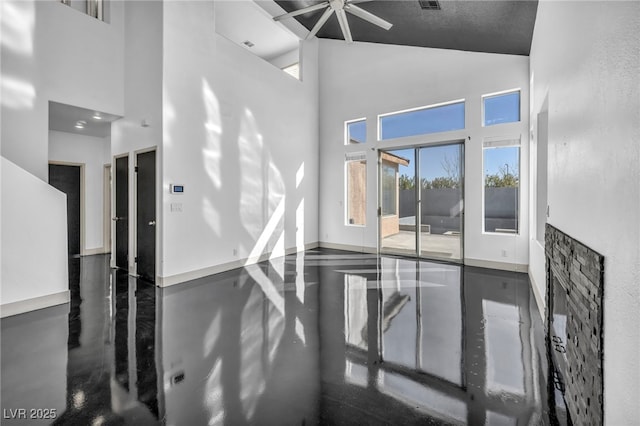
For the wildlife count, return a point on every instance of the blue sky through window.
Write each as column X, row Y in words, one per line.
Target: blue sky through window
column 357, row 131
column 423, row 121
column 503, row 158
column 502, row 108
column 433, row 161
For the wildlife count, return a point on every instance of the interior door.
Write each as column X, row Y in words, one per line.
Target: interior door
column 121, row 217
column 67, row 179
column 441, row 201
column 146, row 215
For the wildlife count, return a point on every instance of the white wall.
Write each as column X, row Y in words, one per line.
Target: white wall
column 49, row 52
column 364, row 80
column 242, row 136
column 94, row 153
column 79, row 62
column 142, row 101
column 34, row 237
column 586, row 58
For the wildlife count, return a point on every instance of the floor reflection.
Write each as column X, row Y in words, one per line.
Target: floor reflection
column 324, row 337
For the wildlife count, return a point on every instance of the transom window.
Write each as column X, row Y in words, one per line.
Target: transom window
column 501, row 108
column 422, row 121
column 356, row 131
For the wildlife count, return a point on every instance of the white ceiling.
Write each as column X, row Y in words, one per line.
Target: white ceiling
column 63, row 118
column 244, row 20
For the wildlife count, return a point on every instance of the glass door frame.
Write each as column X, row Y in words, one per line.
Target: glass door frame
column 418, row 199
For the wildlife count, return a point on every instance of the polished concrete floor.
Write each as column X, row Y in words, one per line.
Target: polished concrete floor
column 322, row 337
column 435, row 246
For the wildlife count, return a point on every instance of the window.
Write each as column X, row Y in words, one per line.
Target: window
column 356, row 131
column 389, row 190
column 356, row 191
column 93, row 8
column 501, row 186
column 422, row 121
column 501, row 108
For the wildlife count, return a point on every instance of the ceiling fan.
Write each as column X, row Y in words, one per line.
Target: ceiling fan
column 340, row 7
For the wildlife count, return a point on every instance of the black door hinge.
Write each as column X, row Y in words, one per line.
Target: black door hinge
column 135, row 169
column 136, row 259
column 379, row 211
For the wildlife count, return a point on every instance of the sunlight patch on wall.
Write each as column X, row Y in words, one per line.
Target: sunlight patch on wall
column 17, row 93
column 262, row 189
column 211, row 216
column 18, row 23
column 269, row 229
column 168, row 118
column 300, row 175
column 212, row 153
column 278, row 249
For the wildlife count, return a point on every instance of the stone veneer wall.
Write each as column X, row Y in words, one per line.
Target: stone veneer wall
column 580, row 270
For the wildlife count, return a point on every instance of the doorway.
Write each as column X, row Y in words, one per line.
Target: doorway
column 68, row 179
column 421, row 199
column 146, row 215
column 121, row 217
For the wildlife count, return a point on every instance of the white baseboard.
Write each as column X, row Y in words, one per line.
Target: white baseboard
column 347, row 247
column 540, row 301
column 216, row 269
column 28, row 305
column 503, row 266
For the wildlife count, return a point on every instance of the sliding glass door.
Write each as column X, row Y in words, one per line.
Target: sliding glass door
column 397, row 210
column 421, row 201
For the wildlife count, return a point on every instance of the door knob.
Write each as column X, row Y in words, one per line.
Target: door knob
column 116, row 218
column 152, row 223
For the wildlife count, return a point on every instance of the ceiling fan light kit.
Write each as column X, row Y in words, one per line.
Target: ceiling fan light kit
column 340, row 7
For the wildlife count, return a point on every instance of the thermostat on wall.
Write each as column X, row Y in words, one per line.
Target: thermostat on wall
column 177, row 189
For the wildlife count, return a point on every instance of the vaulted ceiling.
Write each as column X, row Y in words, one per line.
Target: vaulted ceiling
column 498, row 26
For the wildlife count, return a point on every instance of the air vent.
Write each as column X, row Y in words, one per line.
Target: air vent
column 248, row 43
column 429, row 4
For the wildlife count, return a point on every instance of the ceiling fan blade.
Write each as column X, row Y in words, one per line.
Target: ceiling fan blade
column 367, row 16
column 344, row 25
column 302, row 11
column 326, row 15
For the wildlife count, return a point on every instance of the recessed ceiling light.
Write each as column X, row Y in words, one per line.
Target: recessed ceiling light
column 97, row 116
column 80, row 124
